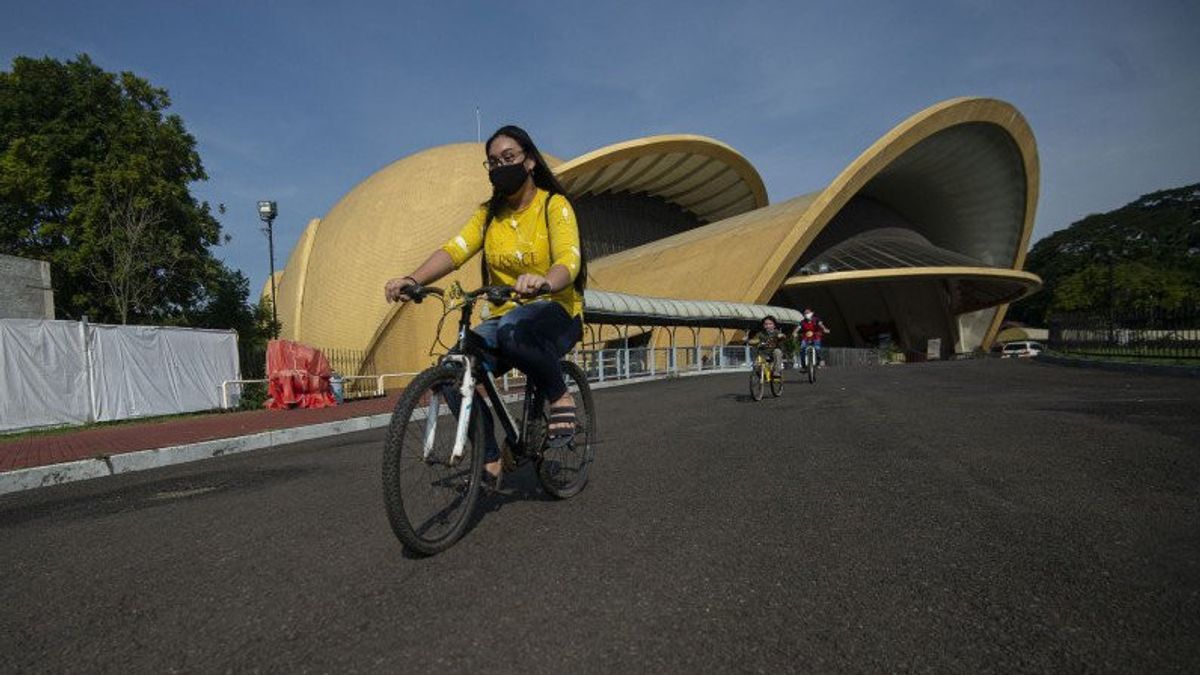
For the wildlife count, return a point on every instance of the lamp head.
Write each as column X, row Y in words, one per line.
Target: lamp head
column 267, row 211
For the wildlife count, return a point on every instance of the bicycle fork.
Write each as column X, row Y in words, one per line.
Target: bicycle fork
column 466, row 392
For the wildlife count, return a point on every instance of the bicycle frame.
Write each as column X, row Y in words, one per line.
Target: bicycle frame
column 464, row 352
column 760, row 364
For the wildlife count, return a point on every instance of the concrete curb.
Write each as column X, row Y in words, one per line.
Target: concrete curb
column 55, row 474
column 1119, row 366
column 141, row 460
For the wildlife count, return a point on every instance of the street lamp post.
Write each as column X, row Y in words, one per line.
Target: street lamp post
column 267, row 212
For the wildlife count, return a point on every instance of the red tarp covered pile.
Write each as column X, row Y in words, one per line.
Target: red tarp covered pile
column 297, row 376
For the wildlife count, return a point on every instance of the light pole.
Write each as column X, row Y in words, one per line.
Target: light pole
column 267, row 212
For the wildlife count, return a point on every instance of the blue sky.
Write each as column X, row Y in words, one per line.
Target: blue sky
column 299, row 101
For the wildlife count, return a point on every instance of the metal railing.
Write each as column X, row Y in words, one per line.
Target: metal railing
column 639, row 363
column 1154, row 334
column 614, row 365
column 348, row 393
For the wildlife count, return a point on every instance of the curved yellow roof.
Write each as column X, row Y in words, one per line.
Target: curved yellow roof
column 965, row 171
column 382, row 228
column 889, row 161
column 996, row 286
column 701, row 175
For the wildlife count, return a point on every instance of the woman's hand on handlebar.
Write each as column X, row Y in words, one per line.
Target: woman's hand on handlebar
column 529, row 285
column 394, row 289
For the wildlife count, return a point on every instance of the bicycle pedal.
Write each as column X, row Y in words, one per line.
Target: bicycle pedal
column 491, row 483
column 508, row 461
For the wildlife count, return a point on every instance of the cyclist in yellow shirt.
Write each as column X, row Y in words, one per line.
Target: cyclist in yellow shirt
column 529, row 237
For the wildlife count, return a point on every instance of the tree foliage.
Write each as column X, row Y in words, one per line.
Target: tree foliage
column 1142, row 256
column 95, row 178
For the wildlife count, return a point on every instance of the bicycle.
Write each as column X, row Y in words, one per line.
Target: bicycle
column 808, row 357
column 433, row 455
column 762, row 374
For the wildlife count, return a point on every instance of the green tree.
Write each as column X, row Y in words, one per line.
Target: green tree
column 1125, row 287
column 1144, row 255
column 94, row 178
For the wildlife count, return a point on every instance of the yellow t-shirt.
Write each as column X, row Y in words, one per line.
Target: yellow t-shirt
column 518, row 242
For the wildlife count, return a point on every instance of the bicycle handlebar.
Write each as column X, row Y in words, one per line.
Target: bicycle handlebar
column 496, row 294
column 417, row 292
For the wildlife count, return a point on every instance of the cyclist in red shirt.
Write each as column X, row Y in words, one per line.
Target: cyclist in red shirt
column 810, row 331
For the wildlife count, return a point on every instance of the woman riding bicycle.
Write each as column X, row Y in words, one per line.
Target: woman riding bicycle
column 530, row 240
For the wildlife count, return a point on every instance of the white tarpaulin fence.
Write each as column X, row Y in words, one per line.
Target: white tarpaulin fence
column 67, row 372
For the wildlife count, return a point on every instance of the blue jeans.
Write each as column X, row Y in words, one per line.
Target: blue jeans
column 532, row 338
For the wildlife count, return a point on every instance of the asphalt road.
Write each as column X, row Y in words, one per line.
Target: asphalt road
column 971, row 516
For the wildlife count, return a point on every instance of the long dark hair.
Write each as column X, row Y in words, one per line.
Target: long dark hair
column 543, row 178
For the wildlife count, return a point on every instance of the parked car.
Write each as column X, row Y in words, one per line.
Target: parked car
column 1021, row 349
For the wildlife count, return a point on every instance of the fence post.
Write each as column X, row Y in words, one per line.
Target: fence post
column 625, row 348
column 672, row 362
column 600, row 363
column 87, row 365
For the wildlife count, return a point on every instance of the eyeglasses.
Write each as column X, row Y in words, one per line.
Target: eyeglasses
column 507, row 157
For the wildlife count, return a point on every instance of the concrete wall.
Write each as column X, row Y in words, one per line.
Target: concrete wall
column 25, row 291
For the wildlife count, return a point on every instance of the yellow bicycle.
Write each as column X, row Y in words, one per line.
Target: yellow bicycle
column 762, row 376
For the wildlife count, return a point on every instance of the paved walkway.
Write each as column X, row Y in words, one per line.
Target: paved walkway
column 969, row 516
column 108, row 440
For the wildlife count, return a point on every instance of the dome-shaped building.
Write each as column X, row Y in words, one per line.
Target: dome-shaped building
column 922, row 236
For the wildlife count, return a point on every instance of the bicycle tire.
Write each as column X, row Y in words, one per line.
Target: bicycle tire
column 811, row 359
column 756, row 382
column 563, row 472
column 777, row 382
column 410, row 479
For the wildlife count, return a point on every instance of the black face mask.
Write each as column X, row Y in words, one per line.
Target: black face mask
column 509, row 178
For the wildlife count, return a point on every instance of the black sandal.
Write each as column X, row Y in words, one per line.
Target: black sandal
column 561, row 414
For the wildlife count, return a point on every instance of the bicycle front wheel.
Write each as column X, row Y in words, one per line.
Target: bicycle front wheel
column 428, row 493
column 811, row 355
column 777, row 382
column 756, row 382
column 563, row 472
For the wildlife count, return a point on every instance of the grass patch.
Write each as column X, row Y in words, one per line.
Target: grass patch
column 253, row 396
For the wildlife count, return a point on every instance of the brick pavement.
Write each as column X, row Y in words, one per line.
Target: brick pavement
column 106, row 440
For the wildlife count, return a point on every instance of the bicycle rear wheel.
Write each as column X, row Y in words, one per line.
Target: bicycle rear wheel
column 756, row 382
column 429, row 497
column 563, row 472
column 811, row 359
